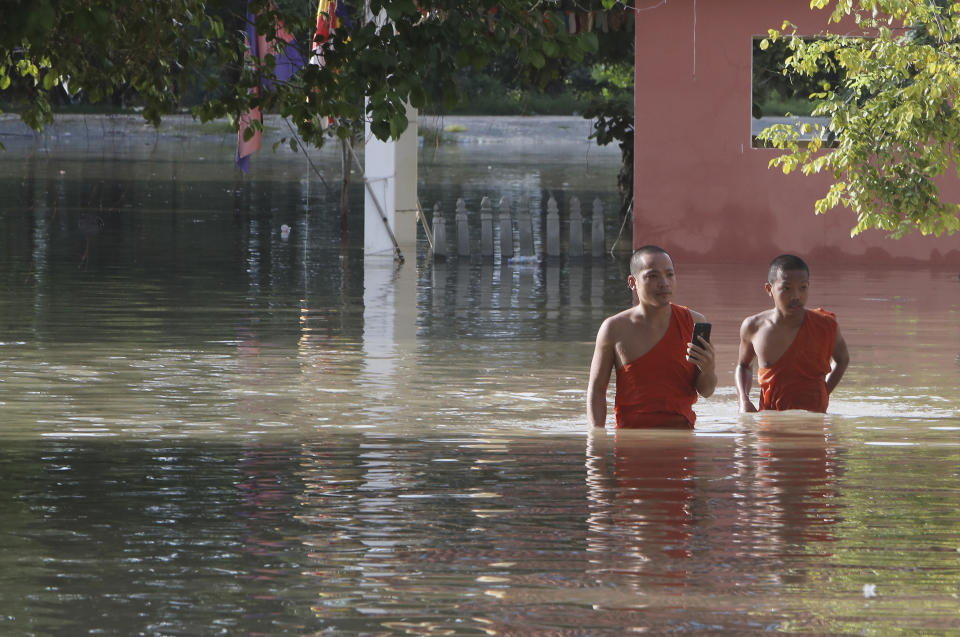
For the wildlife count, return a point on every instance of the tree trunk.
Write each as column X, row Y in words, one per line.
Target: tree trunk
column 344, row 186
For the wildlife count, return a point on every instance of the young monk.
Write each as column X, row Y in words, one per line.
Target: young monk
column 801, row 353
column 659, row 371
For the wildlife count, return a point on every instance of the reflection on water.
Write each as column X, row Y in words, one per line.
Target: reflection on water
column 211, row 428
column 775, row 525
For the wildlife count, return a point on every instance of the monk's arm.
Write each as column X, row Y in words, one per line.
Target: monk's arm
column 600, row 369
column 706, row 383
column 743, row 375
column 841, row 359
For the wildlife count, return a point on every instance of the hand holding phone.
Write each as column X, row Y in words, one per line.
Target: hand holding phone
column 701, row 329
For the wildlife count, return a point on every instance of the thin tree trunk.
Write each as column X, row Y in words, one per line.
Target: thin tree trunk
column 344, row 186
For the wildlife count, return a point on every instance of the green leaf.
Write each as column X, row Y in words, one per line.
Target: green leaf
column 590, row 42
column 27, row 68
column 398, row 124
column 418, row 98
column 380, row 129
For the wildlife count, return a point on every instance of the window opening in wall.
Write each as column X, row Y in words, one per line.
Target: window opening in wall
column 783, row 99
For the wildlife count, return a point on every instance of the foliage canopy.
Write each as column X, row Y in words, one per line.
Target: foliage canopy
column 892, row 112
column 372, row 67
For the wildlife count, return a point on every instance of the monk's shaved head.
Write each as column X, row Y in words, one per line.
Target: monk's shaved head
column 784, row 263
column 636, row 260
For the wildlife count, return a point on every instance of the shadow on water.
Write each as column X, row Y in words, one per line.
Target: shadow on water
column 211, row 425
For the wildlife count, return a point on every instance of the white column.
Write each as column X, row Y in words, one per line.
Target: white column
column 391, row 171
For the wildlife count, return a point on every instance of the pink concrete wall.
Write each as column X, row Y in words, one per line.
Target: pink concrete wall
column 701, row 191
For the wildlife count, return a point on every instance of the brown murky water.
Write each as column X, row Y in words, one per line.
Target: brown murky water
column 210, row 429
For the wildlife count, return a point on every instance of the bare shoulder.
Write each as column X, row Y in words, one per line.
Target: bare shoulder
column 615, row 323
column 752, row 324
column 697, row 317
column 827, row 315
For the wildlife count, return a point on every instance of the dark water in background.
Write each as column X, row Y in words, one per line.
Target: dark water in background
column 210, row 429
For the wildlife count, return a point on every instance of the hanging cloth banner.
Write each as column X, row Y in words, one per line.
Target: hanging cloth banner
column 577, row 20
column 331, row 15
column 326, row 23
column 287, row 62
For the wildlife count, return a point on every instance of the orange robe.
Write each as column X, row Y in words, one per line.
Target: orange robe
column 798, row 379
column 658, row 389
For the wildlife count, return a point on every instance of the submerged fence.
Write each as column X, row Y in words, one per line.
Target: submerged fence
column 510, row 235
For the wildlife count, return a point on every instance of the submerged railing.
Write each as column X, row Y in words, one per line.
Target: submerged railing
column 510, row 236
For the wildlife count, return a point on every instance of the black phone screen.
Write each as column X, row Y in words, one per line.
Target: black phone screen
column 701, row 329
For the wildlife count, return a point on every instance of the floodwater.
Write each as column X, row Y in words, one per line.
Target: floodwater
column 210, row 428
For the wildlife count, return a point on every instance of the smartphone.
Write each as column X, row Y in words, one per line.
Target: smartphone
column 701, row 329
